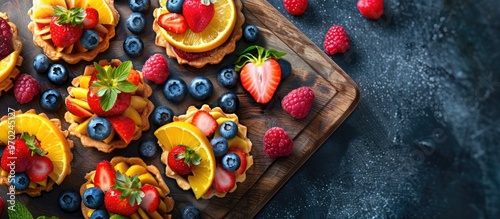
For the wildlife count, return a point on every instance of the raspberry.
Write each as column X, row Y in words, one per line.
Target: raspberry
column 336, row 40
column 295, row 7
column 372, row 9
column 298, row 102
column 25, row 88
column 277, row 143
column 6, row 45
column 156, row 69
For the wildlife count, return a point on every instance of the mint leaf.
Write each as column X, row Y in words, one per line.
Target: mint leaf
column 47, row 217
column 117, row 216
column 19, row 211
column 108, row 99
column 122, row 71
column 126, row 86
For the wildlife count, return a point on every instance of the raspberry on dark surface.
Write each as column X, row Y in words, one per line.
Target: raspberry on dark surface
column 6, row 45
column 155, row 69
column 295, row 7
column 25, row 88
column 277, row 143
column 298, row 102
column 336, row 40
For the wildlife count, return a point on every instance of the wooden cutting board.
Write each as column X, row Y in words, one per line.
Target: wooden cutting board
column 336, row 97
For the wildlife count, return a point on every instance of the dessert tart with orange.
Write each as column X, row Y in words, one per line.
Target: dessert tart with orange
column 108, row 105
column 127, row 187
column 202, row 32
column 205, row 150
column 37, row 153
column 73, row 30
column 10, row 50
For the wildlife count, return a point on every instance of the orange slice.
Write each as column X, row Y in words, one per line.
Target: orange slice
column 216, row 33
column 7, row 64
column 50, row 136
column 183, row 133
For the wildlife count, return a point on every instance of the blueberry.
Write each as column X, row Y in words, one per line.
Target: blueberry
column 251, row 33
column 136, row 22
column 175, row 6
column 175, row 90
column 41, row 63
column 148, row 148
column 227, row 77
column 219, row 146
column 190, row 212
column 141, row 6
column 286, row 68
column 162, row 115
column 89, row 39
column 21, row 181
column 201, row 88
column 229, row 102
column 228, row 129
column 99, row 128
column 69, row 200
column 51, row 100
column 231, row 162
column 133, row 46
column 58, row 74
column 99, row 214
column 93, row 197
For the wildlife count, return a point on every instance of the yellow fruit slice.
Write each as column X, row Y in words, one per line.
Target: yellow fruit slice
column 51, row 3
column 105, row 14
column 51, row 140
column 216, row 33
column 7, row 64
column 182, row 133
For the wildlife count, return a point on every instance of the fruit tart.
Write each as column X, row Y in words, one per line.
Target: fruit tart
column 106, row 189
column 205, row 150
column 10, row 50
column 37, row 153
column 108, row 105
column 73, row 30
column 198, row 32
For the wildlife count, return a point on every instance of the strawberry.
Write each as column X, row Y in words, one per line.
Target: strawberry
column 105, row 175
column 260, row 75
column 124, row 127
column 372, row 9
column 243, row 160
column 77, row 110
column 40, row 167
column 182, row 159
column 198, row 13
column 151, row 199
column 2, row 204
column 205, row 122
column 16, row 155
column 91, row 18
column 125, row 196
column 173, row 22
column 66, row 26
column 114, row 204
column 298, row 102
column 110, row 94
column 224, row 180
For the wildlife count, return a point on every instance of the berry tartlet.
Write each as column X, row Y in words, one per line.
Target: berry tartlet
column 73, row 30
column 10, row 50
column 111, row 179
column 108, row 105
column 200, row 32
column 205, row 150
column 37, row 153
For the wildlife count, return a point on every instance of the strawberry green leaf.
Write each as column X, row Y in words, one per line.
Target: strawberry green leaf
column 30, row 142
column 112, row 81
column 256, row 55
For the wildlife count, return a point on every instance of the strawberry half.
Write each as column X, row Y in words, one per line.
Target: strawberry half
column 151, row 199
column 224, row 180
column 124, row 127
column 173, row 22
column 125, row 196
column 205, row 122
column 198, row 13
column 260, row 75
column 105, row 175
column 66, row 26
column 40, row 168
column 182, row 159
column 243, row 160
column 91, row 18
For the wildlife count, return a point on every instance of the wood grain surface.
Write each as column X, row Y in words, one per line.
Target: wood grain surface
column 336, row 97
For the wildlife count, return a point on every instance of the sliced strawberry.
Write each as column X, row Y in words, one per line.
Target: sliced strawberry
column 224, row 180
column 151, row 199
column 104, row 177
column 91, row 18
column 260, row 75
column 77, row 110
column 40, row 167
column 173, row 22
column 124, row 127
column 198, row 14
column 205, row 122
column 243, row 160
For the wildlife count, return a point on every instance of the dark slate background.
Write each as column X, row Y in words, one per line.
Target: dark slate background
column 423, row 142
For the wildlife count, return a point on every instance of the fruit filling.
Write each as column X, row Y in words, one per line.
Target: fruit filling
column 205, row 150
column 10, row 48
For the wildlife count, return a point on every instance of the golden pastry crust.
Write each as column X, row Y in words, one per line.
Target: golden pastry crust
column 8, row 82
column 116, row 143
column 169, row 201
column 214, row 56
column 216, row 112
column 37, row 191
column 80, row 53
